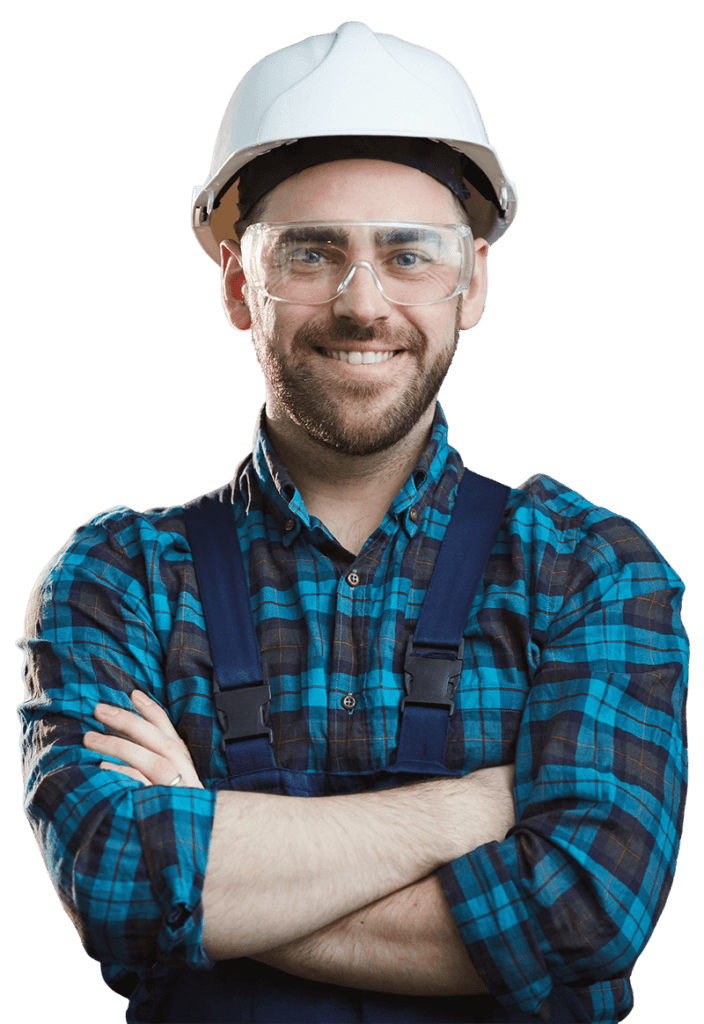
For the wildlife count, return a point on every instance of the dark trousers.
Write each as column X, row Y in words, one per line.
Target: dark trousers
column 244, row 990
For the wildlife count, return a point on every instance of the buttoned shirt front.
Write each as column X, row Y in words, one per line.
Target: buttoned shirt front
column 574, row 668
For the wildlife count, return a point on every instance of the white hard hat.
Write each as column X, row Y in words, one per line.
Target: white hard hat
column 351, row 82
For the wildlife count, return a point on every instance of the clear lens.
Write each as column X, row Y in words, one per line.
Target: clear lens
column 310, row 263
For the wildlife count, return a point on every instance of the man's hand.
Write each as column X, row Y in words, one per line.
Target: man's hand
column 148, row 744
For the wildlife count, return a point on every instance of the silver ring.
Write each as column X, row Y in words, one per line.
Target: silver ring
column 176, row 780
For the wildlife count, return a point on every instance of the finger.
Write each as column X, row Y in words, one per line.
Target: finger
column 157, row 737
column 154, row 714
column 136, row 727
column 158, row 770
column 123, row 769
column 166, row 743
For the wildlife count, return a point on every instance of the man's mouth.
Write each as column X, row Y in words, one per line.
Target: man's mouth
column 357, row 357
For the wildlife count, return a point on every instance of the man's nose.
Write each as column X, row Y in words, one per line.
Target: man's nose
column 361, row 299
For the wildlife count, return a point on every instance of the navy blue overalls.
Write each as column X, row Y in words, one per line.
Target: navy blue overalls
column 243, row 989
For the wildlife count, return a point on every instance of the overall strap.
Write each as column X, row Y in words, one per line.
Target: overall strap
column 433, row 664
column 434, row 654
column 240, row 689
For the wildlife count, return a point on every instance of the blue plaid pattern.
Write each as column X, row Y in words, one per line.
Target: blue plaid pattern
column 575, row 667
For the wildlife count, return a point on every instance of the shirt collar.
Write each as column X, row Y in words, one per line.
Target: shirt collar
column 407, row 507
column 410, row 502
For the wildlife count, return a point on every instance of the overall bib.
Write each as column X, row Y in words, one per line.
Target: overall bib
column 243, row 989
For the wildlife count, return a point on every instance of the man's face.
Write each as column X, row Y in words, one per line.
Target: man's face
column 357, row 408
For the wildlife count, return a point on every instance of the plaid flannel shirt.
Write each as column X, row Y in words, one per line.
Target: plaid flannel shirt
column 575, row 668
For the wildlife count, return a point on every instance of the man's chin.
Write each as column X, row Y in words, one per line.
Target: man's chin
column 356, row 436
column 352, row 447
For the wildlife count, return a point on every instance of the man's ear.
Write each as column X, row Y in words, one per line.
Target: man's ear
column 233, row 281
column 474, row 298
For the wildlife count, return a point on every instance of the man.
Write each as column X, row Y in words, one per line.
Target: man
column 328, row 812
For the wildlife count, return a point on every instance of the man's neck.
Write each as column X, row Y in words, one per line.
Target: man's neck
column 349, row 494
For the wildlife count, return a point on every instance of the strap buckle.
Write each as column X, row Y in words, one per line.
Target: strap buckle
column 241, row 712
column 431, row 680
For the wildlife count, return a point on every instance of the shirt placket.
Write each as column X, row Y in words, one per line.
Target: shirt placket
column 349, row 732
column 348, row 665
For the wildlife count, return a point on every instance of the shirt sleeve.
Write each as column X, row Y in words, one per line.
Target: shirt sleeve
column 572, row 894
column 127, row 860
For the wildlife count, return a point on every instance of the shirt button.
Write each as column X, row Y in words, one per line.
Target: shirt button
column 413, row 514
column 353, row 579
column 290, row 524
column 349, row 701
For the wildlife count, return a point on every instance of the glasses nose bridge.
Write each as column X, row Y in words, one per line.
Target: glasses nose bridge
column 352, row 270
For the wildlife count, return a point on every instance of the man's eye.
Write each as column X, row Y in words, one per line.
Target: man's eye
column 309, row 257
column 407, row 260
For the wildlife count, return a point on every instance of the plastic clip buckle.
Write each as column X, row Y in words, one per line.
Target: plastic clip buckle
column 431, row 680
column 241, row 712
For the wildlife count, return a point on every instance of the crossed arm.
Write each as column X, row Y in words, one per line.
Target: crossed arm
column 406, row 943
column 350, row 895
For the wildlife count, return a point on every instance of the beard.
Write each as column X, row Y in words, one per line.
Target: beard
column 308, row 401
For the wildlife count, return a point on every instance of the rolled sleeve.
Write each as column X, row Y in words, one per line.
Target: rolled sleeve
column 127, row 860
column 572, row 894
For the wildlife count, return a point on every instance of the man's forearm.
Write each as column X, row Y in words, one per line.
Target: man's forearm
column 406, row 943
column 281, row 868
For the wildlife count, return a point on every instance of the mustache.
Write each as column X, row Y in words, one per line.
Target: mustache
column 319, row 335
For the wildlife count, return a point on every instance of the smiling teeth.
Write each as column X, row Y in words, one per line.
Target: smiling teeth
column 358, row 357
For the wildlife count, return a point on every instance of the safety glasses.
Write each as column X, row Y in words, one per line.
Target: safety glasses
column 310, row 263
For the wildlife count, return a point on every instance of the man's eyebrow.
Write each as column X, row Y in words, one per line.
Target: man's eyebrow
column 334, row 236
column 404, row 235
